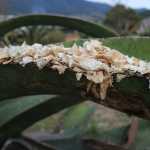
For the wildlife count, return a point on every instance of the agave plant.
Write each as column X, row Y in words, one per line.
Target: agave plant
column 34, row 34
column 28, row 94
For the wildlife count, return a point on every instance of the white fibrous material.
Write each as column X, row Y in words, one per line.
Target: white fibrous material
column 93, row 60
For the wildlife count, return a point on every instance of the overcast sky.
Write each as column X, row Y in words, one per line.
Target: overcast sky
column 131, row 3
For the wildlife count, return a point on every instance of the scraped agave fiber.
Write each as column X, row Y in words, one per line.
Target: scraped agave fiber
column 93, row 60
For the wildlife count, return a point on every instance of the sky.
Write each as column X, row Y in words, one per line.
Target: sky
column 130, row 3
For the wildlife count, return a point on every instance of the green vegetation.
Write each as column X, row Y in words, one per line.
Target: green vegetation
column 132, row 46
column 123, row 20
column 34, row 34
column 86, row 27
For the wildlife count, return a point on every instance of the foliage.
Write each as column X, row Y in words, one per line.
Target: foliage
column 35, row 34
column 83, row 26
column 121, row 19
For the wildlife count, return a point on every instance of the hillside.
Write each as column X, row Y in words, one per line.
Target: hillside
column 144, row 13
column 79, row 8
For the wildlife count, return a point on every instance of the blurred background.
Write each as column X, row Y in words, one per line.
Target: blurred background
column 126, row 17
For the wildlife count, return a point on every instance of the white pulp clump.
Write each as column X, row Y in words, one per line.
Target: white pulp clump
column 93, row 60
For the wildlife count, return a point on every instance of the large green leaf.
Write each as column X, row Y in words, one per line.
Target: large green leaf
column 19, row 113
column 119, row 135
column 77, row 114
column 86, row 27
column 23, row 143
column 116, row 136
column 16, row 80
column 76, row 119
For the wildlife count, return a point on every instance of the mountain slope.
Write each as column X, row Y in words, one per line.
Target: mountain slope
column 78, row 8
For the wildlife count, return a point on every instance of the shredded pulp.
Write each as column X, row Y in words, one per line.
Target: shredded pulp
column 93, row 60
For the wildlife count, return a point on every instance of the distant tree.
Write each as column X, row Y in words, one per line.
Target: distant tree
column 122, row 19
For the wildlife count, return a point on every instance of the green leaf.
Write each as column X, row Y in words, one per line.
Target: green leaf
column 86, row 27
column 75, row 120
column 23, row 143
column 16, row 80
column 18, row 105
column 116, row 136
column 65, row 143
column 119, row 135
column 22, row 112
column 76, row 115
